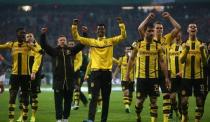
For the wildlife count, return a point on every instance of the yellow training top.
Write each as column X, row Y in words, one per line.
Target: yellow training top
column 101, row 48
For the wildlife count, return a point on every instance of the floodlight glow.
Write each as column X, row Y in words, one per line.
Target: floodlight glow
column 127, row 7
column 26, row 8
column 149, row 8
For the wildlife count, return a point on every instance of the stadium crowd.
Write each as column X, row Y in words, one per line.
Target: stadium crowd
column 150, row 57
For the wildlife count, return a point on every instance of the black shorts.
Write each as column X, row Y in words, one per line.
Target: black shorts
column 35, row 85
column 147, row 86
column 175, row 84
column 19, row 81
column 163, row 87
column 161, row 79
column 127, row 85
column 193, row 85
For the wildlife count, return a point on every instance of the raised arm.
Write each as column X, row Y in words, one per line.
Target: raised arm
column 77, row 37
column 141, row 28
column 122, row 35
column 43, row 42
column 175, row 24
column 80, row 46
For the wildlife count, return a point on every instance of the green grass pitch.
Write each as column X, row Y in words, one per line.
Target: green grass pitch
column 46, row 111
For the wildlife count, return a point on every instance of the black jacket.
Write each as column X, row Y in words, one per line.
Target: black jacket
column 63, row 63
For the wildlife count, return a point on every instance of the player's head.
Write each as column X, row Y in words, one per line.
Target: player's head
column 20, row 33
column 158, row 28
column 71, row 44
column 101, row 30
column 149, row 31
column 192, row 29
column 62, row 41
column 30, row 37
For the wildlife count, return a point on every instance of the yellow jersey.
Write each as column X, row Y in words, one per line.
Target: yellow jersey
column 165, row 42
column 193, row 65
column 147, row 59
column 20, row 53
column 78, row 61
column 174, row 63
column 101, row 48
column 123, row 64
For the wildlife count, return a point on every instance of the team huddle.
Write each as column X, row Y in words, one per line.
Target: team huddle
column 178, row 68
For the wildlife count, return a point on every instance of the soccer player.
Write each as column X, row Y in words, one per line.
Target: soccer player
column 127, row 86
column 193, row 58
column 101, row 65
column 63, row 80
column 148, row 54
column 89, row 80
column 20, row 75
column 87, row 75
column 175, row 74
column 78, row 94
column 34, row 84
column 78, row 62
column 165, row 42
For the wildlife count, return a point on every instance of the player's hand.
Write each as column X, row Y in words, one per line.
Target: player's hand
column 165, row 15
column 119, row 20
column 151, row 15
column 202, row 46
column 1, row 87
column 44, row 30
column 75, row 21
column 168, row 84
column 33, row 76
column 85, row 78
column 84, row 28
column 179, row 74
column 187, row 47
column 127, row 77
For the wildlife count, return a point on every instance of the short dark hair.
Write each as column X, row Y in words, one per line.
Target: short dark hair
column 149, row 25
column 20, row 29
column 61, row 36
column 29, row 32
column 101, row 24
column 192, row 22
column 158, row 22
